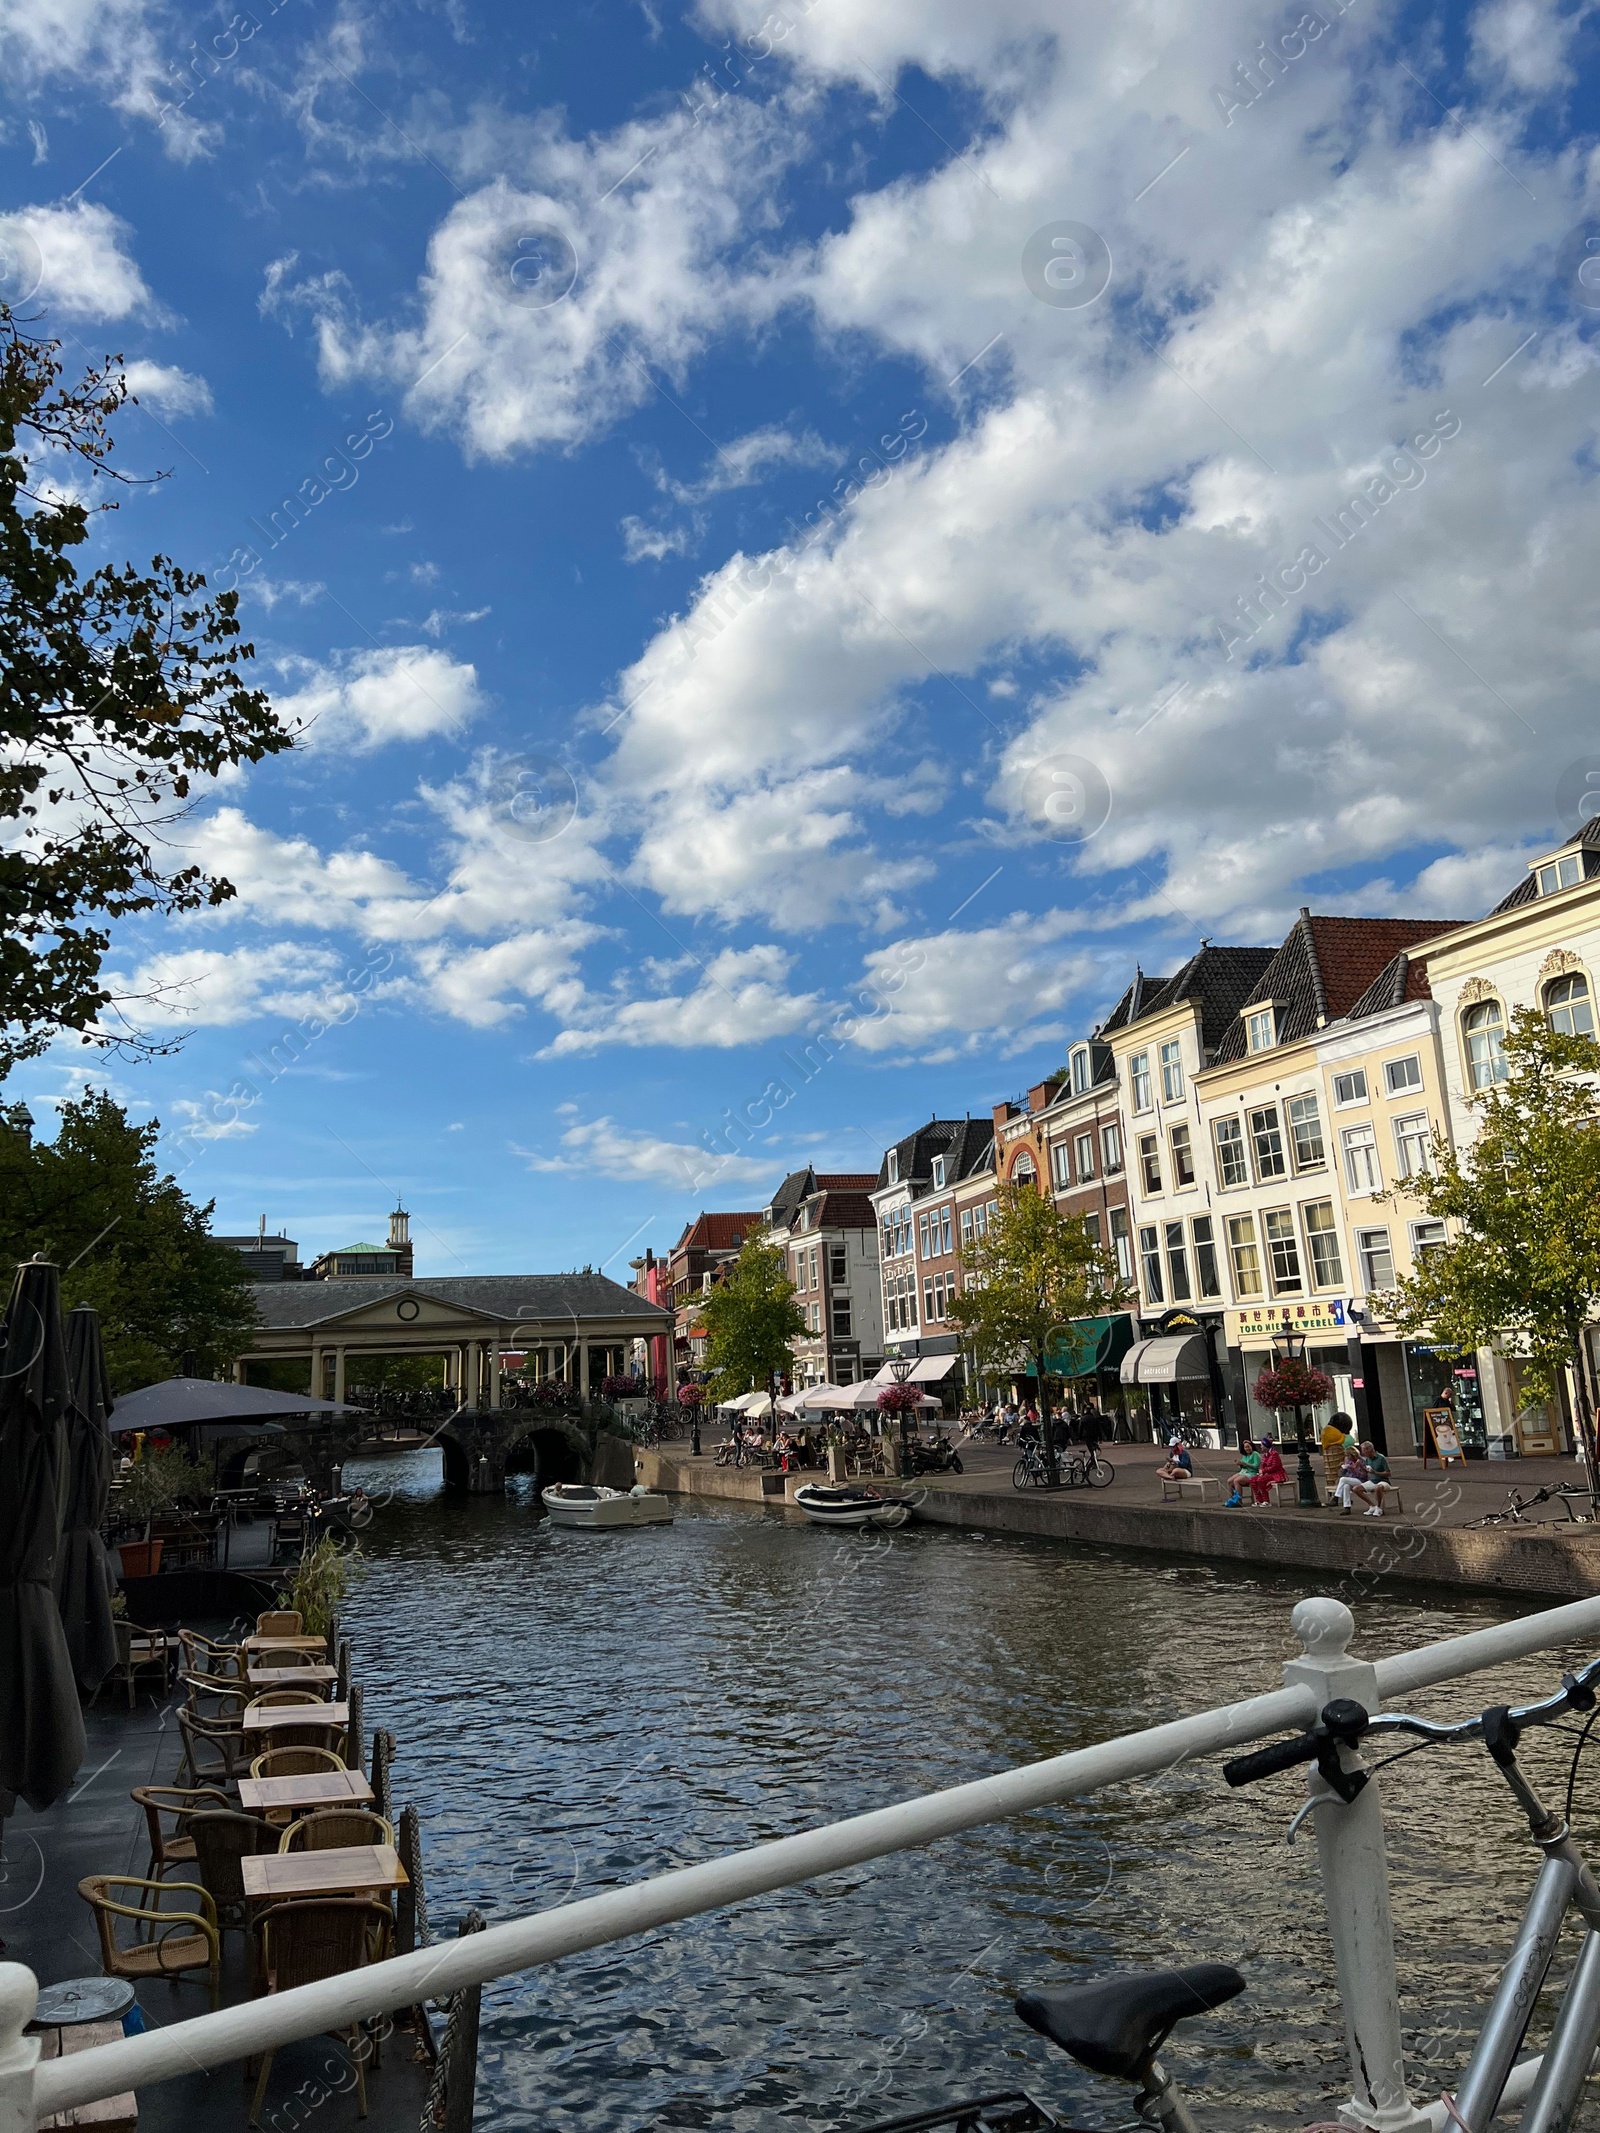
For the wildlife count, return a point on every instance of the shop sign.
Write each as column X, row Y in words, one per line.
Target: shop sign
column 1259, row 1325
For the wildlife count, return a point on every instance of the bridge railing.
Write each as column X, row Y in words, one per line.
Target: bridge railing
column 1350, row 1844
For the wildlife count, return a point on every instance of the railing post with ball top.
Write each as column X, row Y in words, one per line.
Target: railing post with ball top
column 19, row 2053
column 1355, row 1882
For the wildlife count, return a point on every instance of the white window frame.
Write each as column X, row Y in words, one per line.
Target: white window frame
column 1111, row 1149
column 1366, row 1250
column 1249, row 1280
column 1260, row 1028
column 1396, row 1082
column 1150, row 1268
column 1229, row 1150
column 1288, row 1237
column 1413, row 1138
column 1061, row 1164
column 1122, row 1243
column 1079, row 1066
column 1361, row 1141
column 1083, row 1164
column 893, row 1163
column 1326, row 1267
column 1566, row 1007
column 1205, row 1253
column 1356, row 1091
column 1255, row 1134
column 1171, row 1059
column 1497, row 1066
column 1175, row 1252
column 1179, row 1182
column 1428, row 1236
column 1311, row 1111
column 1150, row 1164
column 1564, row 872
column 938, row 1173
column 1139, row 1088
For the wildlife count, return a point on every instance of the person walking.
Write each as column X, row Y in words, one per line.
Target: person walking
column 1091, row 1432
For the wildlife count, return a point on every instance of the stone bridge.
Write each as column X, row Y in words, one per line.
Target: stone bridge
column 481, row 1446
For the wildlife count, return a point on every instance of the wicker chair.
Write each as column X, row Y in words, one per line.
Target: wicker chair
column 282, row 1696
column 179, row 1801
column 223, row 1662
column 212, row 1754
column 217, row 1701
column 331, row 1828
column 162, row 1950
column 280, row 1622
column 291, row 1655
column 295, row 1762
column 312, row 1735
column 222, row 1837
column 304, row 1941
column 139, row 1651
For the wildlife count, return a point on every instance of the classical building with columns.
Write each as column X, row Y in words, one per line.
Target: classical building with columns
column 579, row 1328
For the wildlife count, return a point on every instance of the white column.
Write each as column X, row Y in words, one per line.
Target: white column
column 319, row 1374
column 494, row 1373
column 338, row 1373
column 1355, row 1883
column 238, row 1372
column 583, row 1368
column 471, row 1357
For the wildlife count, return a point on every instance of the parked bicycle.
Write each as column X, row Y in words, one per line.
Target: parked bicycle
column 1030, row 1471
column 1084, row 1469
column 1516, row 1507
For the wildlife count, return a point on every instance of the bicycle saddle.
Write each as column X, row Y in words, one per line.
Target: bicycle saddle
column 1115, row 2025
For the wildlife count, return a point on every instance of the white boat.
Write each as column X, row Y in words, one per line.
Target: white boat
column 570, row 1503
column 855, row 1505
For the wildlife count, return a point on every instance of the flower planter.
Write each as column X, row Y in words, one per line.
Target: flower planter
column 141, row 1559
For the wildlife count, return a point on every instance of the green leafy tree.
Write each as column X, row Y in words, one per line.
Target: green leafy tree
column 1522, row 1264
column 750, row 1317
column 127, row 1240
column 1025, row 1280
column 118, row 689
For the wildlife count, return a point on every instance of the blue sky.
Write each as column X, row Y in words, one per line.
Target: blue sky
column 773, row 493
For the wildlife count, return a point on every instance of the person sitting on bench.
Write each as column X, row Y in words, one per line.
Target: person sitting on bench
column 1272, row 1470
column 1249, row 1468
column 1179, row 1466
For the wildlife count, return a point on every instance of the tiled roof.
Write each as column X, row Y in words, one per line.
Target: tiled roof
column 1217, row 980
column 532, row 1297
column 1324, row 968
column 1405, row 978
column 962, row 1141
column 718, row 1233
column 845, row 1210
column 1587, row 841
column 846, row 1180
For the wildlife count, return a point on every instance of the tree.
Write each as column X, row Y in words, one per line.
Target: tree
column 750, row 1317
column 117, row 691
column 1523, row 1265
column 127, row 1240
column 1024, row 1281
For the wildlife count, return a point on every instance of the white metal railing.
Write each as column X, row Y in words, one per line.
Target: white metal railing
column 1355, row 1881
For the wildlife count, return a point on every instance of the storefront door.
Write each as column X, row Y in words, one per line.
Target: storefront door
column 1438, row 1375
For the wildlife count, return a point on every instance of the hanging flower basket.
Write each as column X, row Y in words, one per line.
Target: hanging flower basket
column 898, row 1399
column 617, row 1387
column 1293, row 1383
column 690, row 1395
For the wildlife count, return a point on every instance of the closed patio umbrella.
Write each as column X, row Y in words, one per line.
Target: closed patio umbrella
column 84, row 1583
column 41, row 1726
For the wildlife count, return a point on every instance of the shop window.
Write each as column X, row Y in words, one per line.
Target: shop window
column 1350, row 1088
column 1402, row 1074
column 1177, row 1262
column 1139, row 1080
column 1207, row 1279
column 1322, row 1241
column 1361, row 1170
column 1122, row 1243
column 1246, row 1257
column 1111, row 1149
column 1182, row 1156
column 1305, row 1131
column 1484, row 1028
column 1172, row 1071
column 1085, row 1153
column 1150, row 1162
column 1439, row 1377
column 1377, row 1259
column 1413, row 1145
column 1266, row 1145
column 1567, row 1003
column 1283, row 1251
column 1150, row 1263
column 1232, row 1168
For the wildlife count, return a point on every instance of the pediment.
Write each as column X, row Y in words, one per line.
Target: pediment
column 408, row 1311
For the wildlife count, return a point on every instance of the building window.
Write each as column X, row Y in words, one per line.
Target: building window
column 1231, row 1166
column 1172, row 1071
column 922, row 1236
column 1177, row 1263
column 1111, row 1149
column 1246, row 1258
column 1350, row 1088
column 1150, row 1261
column 1283, row 1252
column 837, row 1264
column 1091, row 1229
column 1484, row 1027
column 1413, row 1145
column 893, row 1160
column 1266, row 1144
column 816, row 1266
column 1207, row 1279
column 1305, row 1131
column 1563, row 873
column 1402, row 1074
column 944, row 1229
column 1361, row 1172
column 1569, row 1007
column 1322, row 1239
column 1377, row 1259
column 1139, row 1080
column 1024, row 1171
column 1084, row 1146
column 1080, row 1071
column 927, row 1303
column 1426, row 1237
column 1182, row 1156
column 966, row 1227
column 1061, row 1165
column 1122, row 1243
column 1258, row 1029
column 1150, row 1162
column 938, row 1173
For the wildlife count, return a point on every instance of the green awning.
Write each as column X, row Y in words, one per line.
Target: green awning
column 1088, row 1346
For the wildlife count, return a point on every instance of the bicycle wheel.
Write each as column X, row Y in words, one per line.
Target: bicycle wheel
column 1020, row 1477
column 955, row 1462
column 1100, row 1473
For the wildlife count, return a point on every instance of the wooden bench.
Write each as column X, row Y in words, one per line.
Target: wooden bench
column 1181, row 1489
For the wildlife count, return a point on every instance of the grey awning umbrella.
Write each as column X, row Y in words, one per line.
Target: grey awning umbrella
column 84, row 1583
column 41, row 1727
column 176, row 1402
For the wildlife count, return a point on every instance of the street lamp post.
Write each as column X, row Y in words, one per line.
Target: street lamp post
column 900, row 1368
column 1294, row 1346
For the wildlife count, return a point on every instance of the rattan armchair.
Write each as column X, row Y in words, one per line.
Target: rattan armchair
column 212, row 1754
column 162, row 1950
column 296, row 1762
column 223, row 1662
column 222, row 1837
column 303, row 1941
column 217, row 1701
column 178, row 1801
column 331, row 1828
column 280, row 1622
column 281, row 1696
column 139, row 1651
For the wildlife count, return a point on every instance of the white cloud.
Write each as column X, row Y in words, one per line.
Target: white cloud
column 86, row 271
column 599, row 1146
column 289, row 881
column 168, row 390
column 644, row 543
column 749, row 459
column 120, row 48
column 963, row 992
column 406, row 692
column 741, row 998
column 214, row 988
column 204, row 1121
column 1525, row 42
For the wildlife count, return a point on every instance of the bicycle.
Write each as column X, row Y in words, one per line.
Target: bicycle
column 1030, row 1471
column 1080, row 1468
column 1511, row 1513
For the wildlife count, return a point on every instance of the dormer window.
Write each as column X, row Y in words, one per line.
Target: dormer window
column 1563, row 873
column 1079, row 1068
column 938, row 1173
column 894, row 1166
column 1260, row 1029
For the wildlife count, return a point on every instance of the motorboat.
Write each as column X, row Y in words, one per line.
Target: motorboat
column 571, row 1503
column 855, row 1505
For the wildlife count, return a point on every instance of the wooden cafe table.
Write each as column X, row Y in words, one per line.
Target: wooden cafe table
column 304, row 1795
column 266, row 1718
column 291, row 1677
column 349, row 1870
column 110, row 2114
column 255, row 1644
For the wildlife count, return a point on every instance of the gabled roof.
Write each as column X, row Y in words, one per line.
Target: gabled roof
column 1586, row 841
column 534, row 1297
column 718, row 1232
column 963, row 1142
column 1405, row 978
column 1216, row 980
column 1324, row 966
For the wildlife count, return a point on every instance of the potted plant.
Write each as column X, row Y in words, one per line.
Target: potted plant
column 321, row 1581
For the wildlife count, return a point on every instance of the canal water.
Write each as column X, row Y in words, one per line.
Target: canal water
column 575, row 1711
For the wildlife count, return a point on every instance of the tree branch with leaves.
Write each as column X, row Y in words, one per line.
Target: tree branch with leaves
column 750, row 1317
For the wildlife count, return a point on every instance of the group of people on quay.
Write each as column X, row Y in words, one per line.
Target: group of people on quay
column 1357, row 1472
column 1009, row 1421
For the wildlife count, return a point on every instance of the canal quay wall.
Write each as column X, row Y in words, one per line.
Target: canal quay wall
column 1550, row 1561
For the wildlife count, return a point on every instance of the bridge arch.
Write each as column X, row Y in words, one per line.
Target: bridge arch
column 552, row 1449
column 480, row 1448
